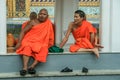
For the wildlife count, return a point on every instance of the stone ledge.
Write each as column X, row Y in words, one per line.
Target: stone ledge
column 66, row 53
column 58, row 74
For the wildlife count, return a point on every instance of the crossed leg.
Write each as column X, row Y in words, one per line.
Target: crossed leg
column 94, row 50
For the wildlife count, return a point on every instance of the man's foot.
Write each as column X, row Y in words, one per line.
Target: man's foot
column 31, row 71
column 23, row 72
column 96, row 52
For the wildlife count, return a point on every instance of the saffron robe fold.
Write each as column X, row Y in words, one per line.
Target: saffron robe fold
column 24, row 24
column 37, row 41
column 82, row 36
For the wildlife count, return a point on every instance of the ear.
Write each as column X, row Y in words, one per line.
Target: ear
column 47, row 15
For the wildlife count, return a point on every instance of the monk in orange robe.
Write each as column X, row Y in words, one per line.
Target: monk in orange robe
column 35, row 39
column 84, row 34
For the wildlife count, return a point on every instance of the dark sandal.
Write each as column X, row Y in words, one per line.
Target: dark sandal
column 66, row 70
column 23, row 72
column 31, row 71
column 85, row 70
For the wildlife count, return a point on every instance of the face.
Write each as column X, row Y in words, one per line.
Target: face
column 43, row 15
column 33, row 16
column 77, row 19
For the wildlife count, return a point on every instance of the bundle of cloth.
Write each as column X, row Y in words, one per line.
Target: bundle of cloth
column 55, row 49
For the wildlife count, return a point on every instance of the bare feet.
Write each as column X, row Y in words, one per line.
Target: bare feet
column 31, row 69
column 96, row 52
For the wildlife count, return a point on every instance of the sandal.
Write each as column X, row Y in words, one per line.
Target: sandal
column 23, row 72
column 66, row 69
column 31, row 71
column 85, row 70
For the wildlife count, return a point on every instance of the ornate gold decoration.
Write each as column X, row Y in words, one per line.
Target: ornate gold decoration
column 92, row 3
column 18, row 8
column 42, row 3
column 9, row 8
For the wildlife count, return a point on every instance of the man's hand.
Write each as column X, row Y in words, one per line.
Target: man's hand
column 99, row 46
column 17, row 46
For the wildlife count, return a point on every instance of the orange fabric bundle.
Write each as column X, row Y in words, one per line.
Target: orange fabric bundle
column 82, row 36
column 37, row 41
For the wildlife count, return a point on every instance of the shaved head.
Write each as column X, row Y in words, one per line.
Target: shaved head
column 44, row 10
column 43, row 15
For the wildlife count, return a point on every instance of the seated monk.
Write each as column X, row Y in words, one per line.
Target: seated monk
column 84, row 34
column 34, row 40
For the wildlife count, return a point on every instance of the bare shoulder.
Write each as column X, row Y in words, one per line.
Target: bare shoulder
column 71, row 24
column 34, row 22
column 29, row 24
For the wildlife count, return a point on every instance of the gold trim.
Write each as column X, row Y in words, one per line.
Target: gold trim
column 91, row 4
column 42, row 3
column 28, row 7
column 9, row 8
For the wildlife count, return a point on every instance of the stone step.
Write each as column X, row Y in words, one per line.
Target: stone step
column 62, row 74
column 58, row 61
column 107, row 66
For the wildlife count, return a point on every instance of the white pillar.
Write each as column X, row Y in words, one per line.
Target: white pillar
column 2, row 26
column 69, row 7
column 58, row 21
column 110, row 28
column 105, row 30
column 115, row 25
column 64, row 14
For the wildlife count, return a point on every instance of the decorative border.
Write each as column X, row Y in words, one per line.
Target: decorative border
column 88, row 3
column 25, row 12
column 42, row 3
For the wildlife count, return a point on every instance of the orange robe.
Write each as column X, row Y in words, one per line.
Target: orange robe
column 37, row 41
column 24, row 24
column 82, row 37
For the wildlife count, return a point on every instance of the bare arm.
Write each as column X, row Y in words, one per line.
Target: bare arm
column 92, row 38
column 65, row 39
column 96, row 39
column 22, row 34
column 97, row 44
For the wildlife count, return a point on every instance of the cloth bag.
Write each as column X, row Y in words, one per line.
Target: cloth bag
column 55, row 49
